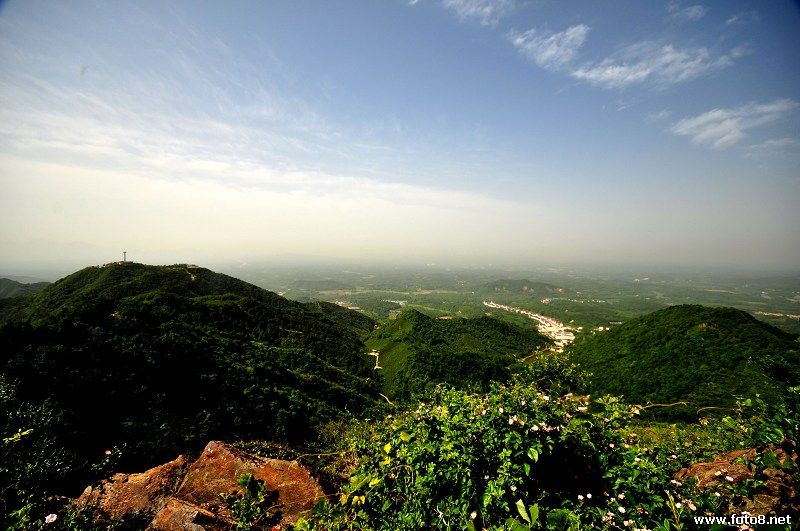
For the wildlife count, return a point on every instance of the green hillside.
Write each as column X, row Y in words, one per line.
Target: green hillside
column 417, row 351
column 700, row 355
column 156, row 360
column 12, row 288
column 355, row 321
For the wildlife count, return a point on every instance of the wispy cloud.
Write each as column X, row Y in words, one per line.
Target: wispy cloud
column 745, row 17
column 550, row 50
column 722, row 128
column 486, row 12
column 658, row 116
column 693, row 13
column 774, row 146
column 648, row 61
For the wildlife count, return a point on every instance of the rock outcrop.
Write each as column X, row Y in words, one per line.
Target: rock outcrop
column 777, row 496
column 183, row 496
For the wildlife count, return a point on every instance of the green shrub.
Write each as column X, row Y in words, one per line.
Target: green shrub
column 515, row 458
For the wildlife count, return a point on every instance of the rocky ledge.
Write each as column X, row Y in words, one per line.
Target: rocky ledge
column 180, row 495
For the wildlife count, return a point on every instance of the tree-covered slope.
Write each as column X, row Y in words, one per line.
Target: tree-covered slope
column 12, row 288
column 417, row 351
column 350, row 319
column 156, row 360
column 700, row 355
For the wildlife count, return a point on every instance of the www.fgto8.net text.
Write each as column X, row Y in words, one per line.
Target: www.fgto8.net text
column 743, row 519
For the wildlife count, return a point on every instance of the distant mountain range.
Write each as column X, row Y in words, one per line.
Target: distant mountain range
column 695, row 354
column 12, row 288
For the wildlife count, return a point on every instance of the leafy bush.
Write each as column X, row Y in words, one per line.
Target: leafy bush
column 514, row 458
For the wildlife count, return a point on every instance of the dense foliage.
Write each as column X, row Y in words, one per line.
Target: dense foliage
column 521, row 458
column 417, row 352
column 694, row 354
column 145, row 362
column 354, row 321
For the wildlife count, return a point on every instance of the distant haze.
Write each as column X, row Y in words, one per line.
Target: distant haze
column 461, row 132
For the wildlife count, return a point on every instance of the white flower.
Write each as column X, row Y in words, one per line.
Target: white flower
column 679, row 505
column 501, row 410
column 513, row 488
column 589, row 495
column 729, row 479
column 580, row 497
column 473, row 515
column 50, row 518
column 621, row 496
column 621, row 509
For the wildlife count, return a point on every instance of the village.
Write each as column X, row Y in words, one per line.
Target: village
column 561, row 334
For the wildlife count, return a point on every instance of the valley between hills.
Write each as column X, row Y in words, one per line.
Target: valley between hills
column 174, row 397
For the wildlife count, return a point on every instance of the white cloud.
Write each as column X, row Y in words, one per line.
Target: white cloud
column 487, row 12
column 722, row 128
column 745, row 17
column 658, row 116
column 550, row 50
column 647, row 61
column 774, row 146
column 693, row 13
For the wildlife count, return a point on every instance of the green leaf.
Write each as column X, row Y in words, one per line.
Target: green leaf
column 534, row 512
column 522, row 511
column 533, row 454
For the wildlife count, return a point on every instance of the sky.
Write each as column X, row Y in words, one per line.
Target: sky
column 452, row 131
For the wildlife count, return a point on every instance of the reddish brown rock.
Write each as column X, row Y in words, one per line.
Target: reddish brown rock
column 126, row 494
column 180, row 496
column 219, row 467
column 178, row 515
column 779, row 495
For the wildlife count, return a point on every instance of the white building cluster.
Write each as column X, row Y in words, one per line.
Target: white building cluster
column 556, row 330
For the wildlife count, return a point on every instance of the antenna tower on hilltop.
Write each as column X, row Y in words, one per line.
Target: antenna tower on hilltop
column 124, row 256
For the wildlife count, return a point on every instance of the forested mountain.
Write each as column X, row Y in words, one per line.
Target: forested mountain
column 696, row 354
column 151, row 361
column 417, row 351
column 12, row 288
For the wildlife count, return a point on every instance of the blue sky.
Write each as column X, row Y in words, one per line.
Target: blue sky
column 470, row 131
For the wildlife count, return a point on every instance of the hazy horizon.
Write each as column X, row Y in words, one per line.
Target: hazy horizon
column 454, row 132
